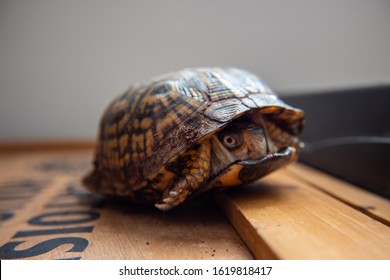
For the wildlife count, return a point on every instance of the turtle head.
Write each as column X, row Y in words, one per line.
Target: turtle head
column 249, row 148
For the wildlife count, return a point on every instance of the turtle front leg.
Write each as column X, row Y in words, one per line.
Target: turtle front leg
column 193, row 175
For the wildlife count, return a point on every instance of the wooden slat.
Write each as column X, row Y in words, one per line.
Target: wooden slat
column 285, row 218
column 198, row 231
column 373, row 205
column 38, row 187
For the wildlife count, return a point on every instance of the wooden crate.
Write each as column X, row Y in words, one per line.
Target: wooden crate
column 294, row 213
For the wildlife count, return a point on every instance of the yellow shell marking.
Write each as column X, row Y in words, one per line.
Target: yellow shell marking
column 123, row 142
column 149, row 143
column 146, row 123
column 123, row 122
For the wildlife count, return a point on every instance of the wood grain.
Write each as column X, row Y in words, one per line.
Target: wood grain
column 286, row 218
column 373, row 205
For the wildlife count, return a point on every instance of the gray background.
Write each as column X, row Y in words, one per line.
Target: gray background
column 61, row 62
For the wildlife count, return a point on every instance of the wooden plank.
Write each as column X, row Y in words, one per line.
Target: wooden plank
column 373, row 205
column 46, row 214
column 282, row 217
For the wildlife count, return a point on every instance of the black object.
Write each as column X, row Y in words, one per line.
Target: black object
column 347, row 134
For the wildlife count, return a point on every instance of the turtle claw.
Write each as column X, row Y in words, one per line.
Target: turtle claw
column 163, row 206
column 172, row 200
column 173, row 194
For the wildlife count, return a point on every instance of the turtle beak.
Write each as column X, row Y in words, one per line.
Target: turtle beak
column 254, row 169
column 246, row 171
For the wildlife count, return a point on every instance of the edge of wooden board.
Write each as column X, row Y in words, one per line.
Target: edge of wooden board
column 52, row 145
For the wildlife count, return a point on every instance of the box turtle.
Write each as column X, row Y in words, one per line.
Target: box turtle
column 181, row 135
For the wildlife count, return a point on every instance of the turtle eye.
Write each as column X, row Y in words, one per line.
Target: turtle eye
column 231, row 139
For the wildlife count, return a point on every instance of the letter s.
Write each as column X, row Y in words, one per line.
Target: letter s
column 7, row 251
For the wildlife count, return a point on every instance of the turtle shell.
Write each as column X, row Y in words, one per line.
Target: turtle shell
column 158, row 119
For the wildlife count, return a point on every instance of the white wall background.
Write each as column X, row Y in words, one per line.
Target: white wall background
column 61, row 62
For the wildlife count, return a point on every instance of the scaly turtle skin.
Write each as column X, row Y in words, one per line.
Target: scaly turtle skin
column 187, row 133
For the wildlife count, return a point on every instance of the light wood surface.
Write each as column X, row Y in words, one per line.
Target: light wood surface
column 286, row 218
column 373, row 205
column 294, row 213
